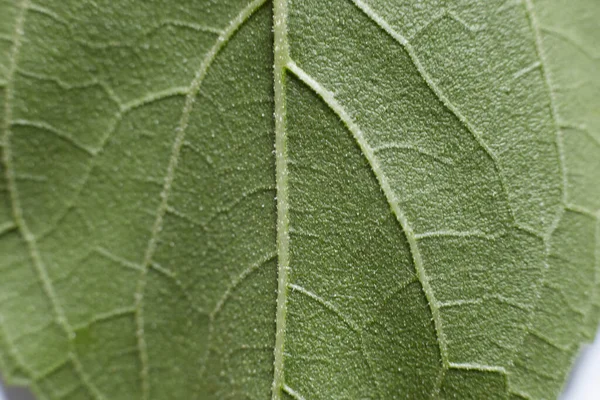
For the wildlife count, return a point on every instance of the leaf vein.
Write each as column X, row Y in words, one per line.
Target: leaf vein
column 367, row 151
column 220, row 43
column 329, row 306
column 437, row 92
column 27, row 235
column 294, row 394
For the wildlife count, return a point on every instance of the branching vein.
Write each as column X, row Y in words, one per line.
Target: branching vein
column 210, row 57
column 19, row 217
column 369, row 154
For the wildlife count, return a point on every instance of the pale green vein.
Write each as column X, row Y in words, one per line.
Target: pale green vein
column 71, row 86
column 295, row 395
column 233, row 204
column 17, row 210
column 14, row 353
column 210, row 57
column 538, row 42
column 6, row 38
column 227, row 295
column 107, row 316
column 123, row 110
column 485, row 299
column 153, row 97
column 57, row 132
column 93, row 152
column 281, row 55
column 404, row 146
column 7, row 227
column 478, row 367
column 347, row 321
column 566, row 38
column 456, row 234
column 51, row 370
column 550, row 342
column 520, row 395
column 168, row 274
column 119, row 260
column 581, row 128
column 94, row 45
column 237, row 281
column 580, row 210
column 440, row 95
column 553, row 107
column 408, row 47
column 524, row 71
column 369, row 154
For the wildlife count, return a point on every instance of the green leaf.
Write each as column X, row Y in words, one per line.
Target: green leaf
column 301, row 199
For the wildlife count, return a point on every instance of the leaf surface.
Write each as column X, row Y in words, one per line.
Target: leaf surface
column 298, row 199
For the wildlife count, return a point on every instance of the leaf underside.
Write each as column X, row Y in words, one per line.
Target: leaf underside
column 302, row 199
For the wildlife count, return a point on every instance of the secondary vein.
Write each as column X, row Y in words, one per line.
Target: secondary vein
column 194, row 88
column 17, row 209
column 402, row 41
column 369, row 154
column 553, row 110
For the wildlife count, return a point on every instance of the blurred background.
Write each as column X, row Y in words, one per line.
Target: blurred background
column 584, row 383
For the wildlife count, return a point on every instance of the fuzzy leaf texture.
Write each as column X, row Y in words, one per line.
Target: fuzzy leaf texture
column 298, row 199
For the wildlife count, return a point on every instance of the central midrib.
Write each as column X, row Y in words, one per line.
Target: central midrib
column 281, row 58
